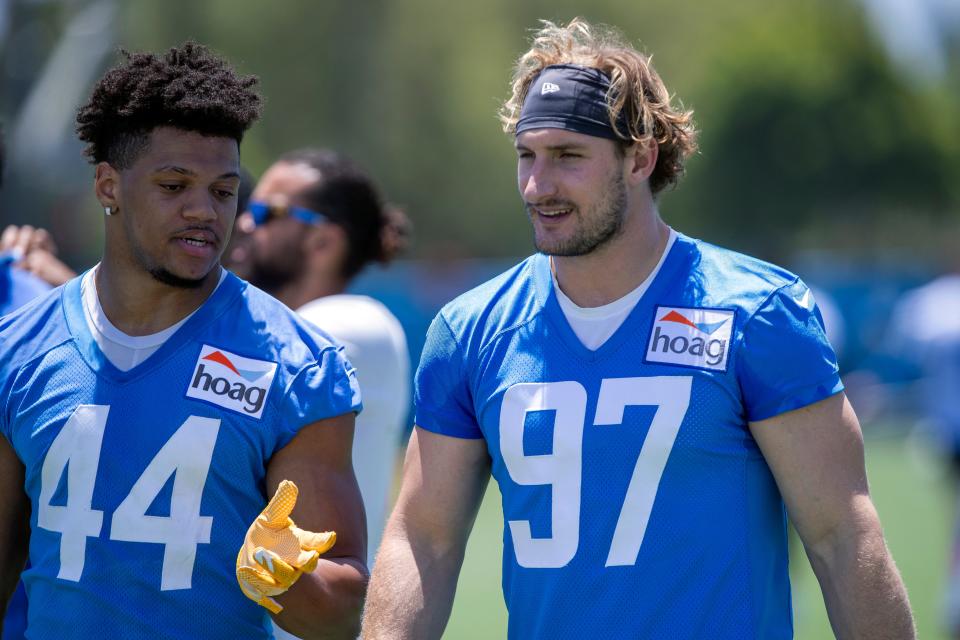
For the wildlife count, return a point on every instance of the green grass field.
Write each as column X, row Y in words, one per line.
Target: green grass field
column 910, row 496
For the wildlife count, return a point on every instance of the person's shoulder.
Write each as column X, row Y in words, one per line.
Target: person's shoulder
column 727, row 278
column 354, row 319
column 27, row 284
column 33, row 329
column 941, row 291
column 506, row 301
column 270, row 330
column 347, row 309
column 929, row 312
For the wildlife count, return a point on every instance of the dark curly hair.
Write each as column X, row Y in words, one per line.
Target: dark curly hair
column 345, row 193
column 189, row 88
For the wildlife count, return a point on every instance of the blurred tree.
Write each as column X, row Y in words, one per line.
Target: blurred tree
column 805, row 124
column 812, row 138
column 50, row 53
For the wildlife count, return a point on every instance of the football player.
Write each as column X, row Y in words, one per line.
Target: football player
column 647, row 402
column 314, row 222
column 17, row 287
column 153, row 404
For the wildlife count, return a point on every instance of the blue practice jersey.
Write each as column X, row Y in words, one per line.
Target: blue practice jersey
column 17, row 287
column 636, row 502
column 143, row 483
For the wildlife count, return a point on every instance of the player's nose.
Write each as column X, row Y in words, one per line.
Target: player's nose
column 200, row 208
column 536, row 182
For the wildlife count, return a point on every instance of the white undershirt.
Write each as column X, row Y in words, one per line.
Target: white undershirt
column 595, row 325
column 122, row 350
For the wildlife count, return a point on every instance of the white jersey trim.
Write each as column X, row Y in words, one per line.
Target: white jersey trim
column 594, row 325
column 122, row 350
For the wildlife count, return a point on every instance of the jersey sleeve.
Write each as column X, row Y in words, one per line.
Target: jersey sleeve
column 785, row 360
column 442, row 398
column 321, row 390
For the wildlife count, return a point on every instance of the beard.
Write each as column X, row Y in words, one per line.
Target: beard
column 161, row 274
column 272, row 275
column 601, row 224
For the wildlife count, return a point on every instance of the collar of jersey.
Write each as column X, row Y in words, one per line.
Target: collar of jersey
column 640, row 317
column 216, row 304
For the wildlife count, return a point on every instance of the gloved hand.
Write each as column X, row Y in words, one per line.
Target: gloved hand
column 275, row 551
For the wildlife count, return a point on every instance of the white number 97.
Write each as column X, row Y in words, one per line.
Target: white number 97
column 562, row 469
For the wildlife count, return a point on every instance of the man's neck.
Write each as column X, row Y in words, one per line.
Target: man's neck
column 297, row 293
column 618, row 267
column 138, row 304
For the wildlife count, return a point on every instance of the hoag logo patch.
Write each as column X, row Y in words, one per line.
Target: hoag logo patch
column 231, row 381
column 691, row 337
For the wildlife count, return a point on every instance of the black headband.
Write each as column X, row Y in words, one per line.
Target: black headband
column 571, row 97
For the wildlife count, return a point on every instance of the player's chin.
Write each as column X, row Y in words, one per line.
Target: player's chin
column 186, row 276
column 552, row 244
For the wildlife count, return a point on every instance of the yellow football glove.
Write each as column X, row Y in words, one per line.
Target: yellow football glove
column 275, row 551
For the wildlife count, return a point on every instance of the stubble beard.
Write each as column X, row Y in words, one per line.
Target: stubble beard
column 272, row 276
column 607, row 223
column 162, row 274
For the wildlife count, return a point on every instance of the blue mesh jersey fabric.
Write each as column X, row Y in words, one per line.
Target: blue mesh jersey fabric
column 17, row 287
column 636, row 502
column 143, row 483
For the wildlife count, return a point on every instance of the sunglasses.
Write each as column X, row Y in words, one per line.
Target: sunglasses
column 263, row 213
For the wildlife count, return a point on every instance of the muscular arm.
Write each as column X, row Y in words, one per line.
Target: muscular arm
column 327, row 602
column 415, row 577
column 14, row 523
column 816, row 455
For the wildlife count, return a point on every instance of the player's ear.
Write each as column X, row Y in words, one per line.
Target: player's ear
column 106, row 185
column 641, row 159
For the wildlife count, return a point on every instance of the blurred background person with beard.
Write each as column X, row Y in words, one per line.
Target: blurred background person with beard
column 315, row 220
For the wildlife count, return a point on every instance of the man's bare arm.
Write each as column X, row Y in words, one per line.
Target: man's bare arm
column 415, row 575
column 327, row 602
column 816, row 455
column 14, row 523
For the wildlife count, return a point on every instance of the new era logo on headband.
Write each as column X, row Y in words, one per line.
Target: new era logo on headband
column 548, row 87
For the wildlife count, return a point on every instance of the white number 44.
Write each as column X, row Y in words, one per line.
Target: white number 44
column 76, row 450
column 562, row 468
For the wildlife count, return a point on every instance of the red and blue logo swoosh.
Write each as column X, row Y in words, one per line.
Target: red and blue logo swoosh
column 221, row 359
column 703, row 327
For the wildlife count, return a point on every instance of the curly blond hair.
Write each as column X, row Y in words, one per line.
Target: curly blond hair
column 635, row 89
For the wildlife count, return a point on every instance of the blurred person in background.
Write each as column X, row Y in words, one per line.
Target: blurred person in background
column 924, row 338
column 833, row 322
column 36, row 253
column 151, row 405
column 17, row 285
column 648, row 403
column 314, row 222
column 238, row 237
